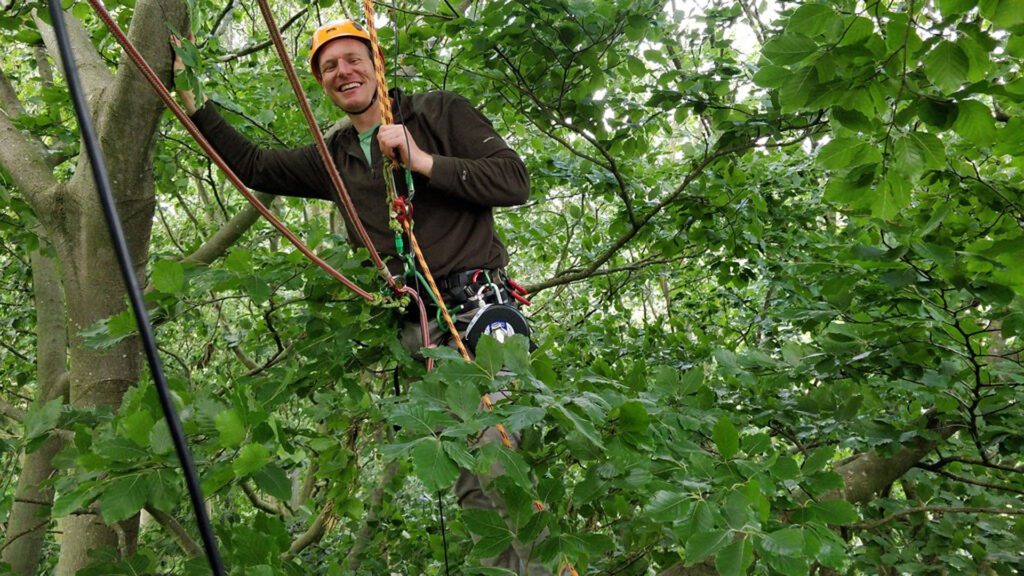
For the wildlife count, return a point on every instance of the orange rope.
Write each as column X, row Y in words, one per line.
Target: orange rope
column 505, row 438
column 406, row 222
column 386, row 117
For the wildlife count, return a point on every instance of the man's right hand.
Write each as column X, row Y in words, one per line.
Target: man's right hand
column 185, row 95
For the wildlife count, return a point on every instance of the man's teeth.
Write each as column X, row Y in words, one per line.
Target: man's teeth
column 348, row 86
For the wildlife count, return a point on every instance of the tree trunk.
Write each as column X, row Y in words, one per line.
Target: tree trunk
column 126, row 114
column 30, row 513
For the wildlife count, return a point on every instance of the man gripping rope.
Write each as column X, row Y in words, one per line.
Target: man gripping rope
column 461, row 169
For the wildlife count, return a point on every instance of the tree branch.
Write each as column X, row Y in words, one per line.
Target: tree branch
column 169, row 523
column 130, row 113
column 611, row 250
column 92, row 68
column 867, row 474
column 218, row 244
column 9, row 102
column 11, row 411
column 972, row 481
column 935, row 510
column 25, row 160
column 262, row 45
column 312, row 534
column 270, row 507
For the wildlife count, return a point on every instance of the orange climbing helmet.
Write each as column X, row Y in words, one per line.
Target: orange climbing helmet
column 332, row 31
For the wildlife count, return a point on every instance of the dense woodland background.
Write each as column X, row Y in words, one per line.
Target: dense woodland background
column 776, row 254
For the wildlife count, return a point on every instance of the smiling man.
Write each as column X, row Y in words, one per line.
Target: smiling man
column 461, row 170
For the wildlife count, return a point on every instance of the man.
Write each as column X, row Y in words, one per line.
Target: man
column 461, row 169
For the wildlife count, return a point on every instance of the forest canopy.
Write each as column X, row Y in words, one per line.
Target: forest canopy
column 773, row 250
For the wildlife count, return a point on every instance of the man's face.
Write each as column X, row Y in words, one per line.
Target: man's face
column 346, row 73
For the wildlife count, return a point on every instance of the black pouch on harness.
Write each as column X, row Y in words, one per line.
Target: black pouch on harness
column 498, row 320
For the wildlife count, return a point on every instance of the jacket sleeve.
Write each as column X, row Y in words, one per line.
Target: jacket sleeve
column 286, row 172
column 481, row 168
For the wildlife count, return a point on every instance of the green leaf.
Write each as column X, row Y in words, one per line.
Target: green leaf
column 954, row 7
column 771, row 76
column 811, row 20
column 975, row 123
column 489, row 354
column 120, row 450
column 41, row 419
column 584, row 427
column 836, row 512
column 933, row 152
column 947, row 65
column 274, row 481
column 789, row 48
column 818, row 459
column 109, row 331
column 858, row 30
column 1015, row 45
column 250, row 459
column 891, row 196
column 257, row 288
column 239, row 261
column 81, row 496
column 692, row 380
column 1004, row 14
column 668, row 506
column 918, row 152
column 847, row 153
column 703, row 544
column 124, row 497
column 137, row 427
column 799, row 89
column 229, row 425
column 785, row 542
column 433, row 466
column 517, row 418
column 494, row 534
column 160, row 441
column 463, row 399
column 735, row 559
column 940, row 114
column 726, row 438
column 168, row 276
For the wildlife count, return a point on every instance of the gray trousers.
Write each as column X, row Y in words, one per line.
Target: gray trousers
column 475, row 490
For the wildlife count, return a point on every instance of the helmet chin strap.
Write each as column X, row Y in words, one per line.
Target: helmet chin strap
column 367, row 107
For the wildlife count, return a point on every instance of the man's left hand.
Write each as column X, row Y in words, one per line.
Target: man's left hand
column 396, row 143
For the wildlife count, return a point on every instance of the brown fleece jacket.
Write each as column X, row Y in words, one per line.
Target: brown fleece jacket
column 474, row 170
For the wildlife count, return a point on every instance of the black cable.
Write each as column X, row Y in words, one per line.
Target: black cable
column 444, row 537
column 99, row 172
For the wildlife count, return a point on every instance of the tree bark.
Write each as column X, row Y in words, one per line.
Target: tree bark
column 30, row 513
column 126, row 114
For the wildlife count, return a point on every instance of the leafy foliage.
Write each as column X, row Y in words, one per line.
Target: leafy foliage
column 779, row 306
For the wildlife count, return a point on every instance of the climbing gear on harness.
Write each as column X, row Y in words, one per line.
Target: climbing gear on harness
column 500, row 321
column 333, row 31
column 124, row 258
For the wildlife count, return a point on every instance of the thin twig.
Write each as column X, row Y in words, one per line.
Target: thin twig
column 935, row 510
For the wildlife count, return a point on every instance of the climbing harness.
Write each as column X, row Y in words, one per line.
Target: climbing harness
column 124, row 259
